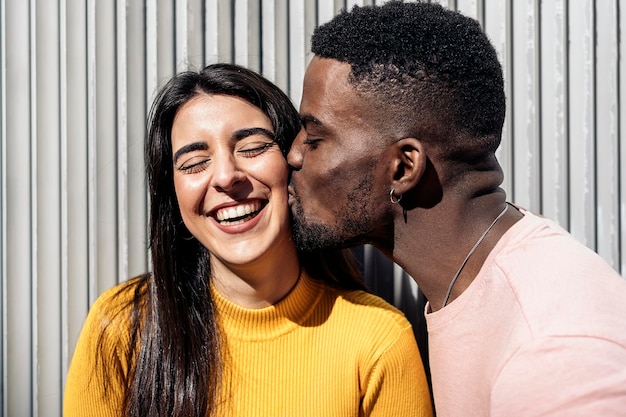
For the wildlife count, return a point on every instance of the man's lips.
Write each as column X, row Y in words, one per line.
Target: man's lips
column 291, row 195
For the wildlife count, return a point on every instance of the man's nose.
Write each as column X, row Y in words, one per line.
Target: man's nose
column 294, row 157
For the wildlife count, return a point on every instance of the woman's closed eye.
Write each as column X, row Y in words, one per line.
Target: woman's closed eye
column 256, row 149
column 194, row 165
column 199, row 163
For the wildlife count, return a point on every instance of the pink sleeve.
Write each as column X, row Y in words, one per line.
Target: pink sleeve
column 562, row 376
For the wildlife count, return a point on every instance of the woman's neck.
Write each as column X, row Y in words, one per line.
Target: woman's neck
column 257, row 285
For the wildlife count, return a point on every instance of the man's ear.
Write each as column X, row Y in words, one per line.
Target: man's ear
column 409, row 164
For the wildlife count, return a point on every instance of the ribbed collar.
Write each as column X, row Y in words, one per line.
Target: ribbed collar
column 269, row 322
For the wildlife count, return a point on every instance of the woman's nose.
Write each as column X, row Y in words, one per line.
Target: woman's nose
column 226, row 172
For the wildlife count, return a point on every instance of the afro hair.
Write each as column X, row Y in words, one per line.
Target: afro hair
column 425, row 59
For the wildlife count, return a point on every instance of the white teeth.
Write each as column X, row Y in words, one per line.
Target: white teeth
column 235, row 212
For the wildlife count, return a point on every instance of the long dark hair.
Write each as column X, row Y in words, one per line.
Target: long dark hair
column 174, row 359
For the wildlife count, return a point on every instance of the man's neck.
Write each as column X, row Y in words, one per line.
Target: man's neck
column 433, row 244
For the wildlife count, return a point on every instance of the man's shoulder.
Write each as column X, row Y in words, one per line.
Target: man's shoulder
column 539, row 246
column 558, row 283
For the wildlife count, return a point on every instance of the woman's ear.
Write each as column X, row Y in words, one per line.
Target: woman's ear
column 409, row 164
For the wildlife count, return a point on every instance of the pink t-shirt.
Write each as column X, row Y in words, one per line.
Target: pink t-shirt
column 541, row 331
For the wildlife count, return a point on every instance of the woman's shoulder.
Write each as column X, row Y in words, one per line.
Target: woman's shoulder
column 374, row 327
column 112, row 310
column 373, row 310
column 100, row 360
column 120, row 295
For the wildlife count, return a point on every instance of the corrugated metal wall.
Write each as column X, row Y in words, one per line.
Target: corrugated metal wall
column 78, row 75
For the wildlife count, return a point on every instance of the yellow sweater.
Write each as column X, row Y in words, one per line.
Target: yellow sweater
column 318, row 352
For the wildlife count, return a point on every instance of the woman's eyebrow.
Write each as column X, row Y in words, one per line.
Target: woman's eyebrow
column 237, row 136
column 244, row 133
column 195, row 146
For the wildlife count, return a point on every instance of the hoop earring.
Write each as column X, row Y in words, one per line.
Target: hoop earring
column 393, row 198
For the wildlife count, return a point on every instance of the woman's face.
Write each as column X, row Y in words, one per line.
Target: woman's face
column 230, row 179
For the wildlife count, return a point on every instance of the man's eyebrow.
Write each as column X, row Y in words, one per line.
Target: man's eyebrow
column 308, row 118
column 244, row 133
column 195, row 146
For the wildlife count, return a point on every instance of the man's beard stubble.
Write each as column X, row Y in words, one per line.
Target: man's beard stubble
column 311, row 237
column 350, row 226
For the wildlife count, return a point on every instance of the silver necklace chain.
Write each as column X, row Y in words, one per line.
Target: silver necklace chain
column 480, row 239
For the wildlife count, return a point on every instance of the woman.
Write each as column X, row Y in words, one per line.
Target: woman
column 233, row 320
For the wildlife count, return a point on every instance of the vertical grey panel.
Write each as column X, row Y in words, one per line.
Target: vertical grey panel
column 121, row 139
column 166, row 41
column 280, row 46
column 48, row 218
column 247, row 34
column 498, row 30
column 581, row 122
column 225, row 31
column 275, row 42
column 219, row 34
column 195, row 34
column 607, row 125
column 211, row 49
column 152, row 49
column 526, row 106
column 325, row 10
column 31, row 185
column 405, row 293
column 63, row 196
column 77, row 143
column 211, row 39
column 469, row 8
column 378, row 273
column 106, row 147
column 339, row 5
column 180, row 35
column 92, row 143
column 135, row 95
column 554, row 167
column 268, row 34
column 298, row 45
column 19, row 232
column 3, row 214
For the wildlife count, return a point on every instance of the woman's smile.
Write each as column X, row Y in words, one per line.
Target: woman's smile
column 237, row 214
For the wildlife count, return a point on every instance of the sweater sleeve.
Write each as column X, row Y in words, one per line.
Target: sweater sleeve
column 92, row 388
column 562, row 376
column 397, row 384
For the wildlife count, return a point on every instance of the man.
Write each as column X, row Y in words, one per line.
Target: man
column 403, row 107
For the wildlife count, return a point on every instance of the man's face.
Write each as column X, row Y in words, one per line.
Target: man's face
column 338, row 189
